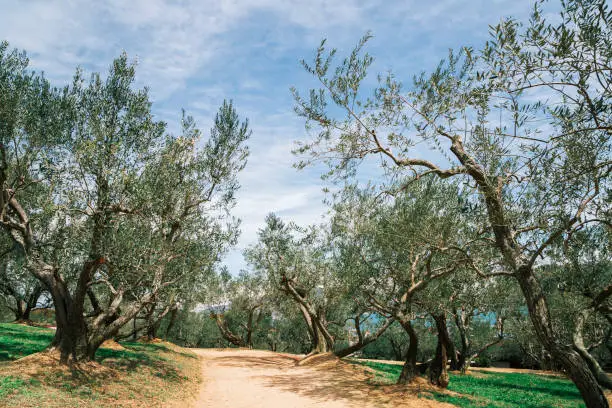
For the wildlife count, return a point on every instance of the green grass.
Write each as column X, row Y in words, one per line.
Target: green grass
column 497, row 390
column 384, row 374
column 154, row 372
column 18, row 341
column 9, row 385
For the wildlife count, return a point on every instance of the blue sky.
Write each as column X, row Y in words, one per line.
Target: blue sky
column 193, row 54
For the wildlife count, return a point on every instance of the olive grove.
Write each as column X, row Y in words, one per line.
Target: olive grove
column 113, row 215
column 523, row 124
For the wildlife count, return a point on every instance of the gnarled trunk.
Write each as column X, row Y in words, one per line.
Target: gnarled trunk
column 31, row 301
column 172, row 321
column 521, row 264
column 152, row 331
column 20, row 310
column 465, row 356
column 254, row 319
column 76, row 338
column 602, row 377
column 71, row 334
column 322, row 341
column 409, row 370
column 249, row 333
column 438, row 374
column 448, row 343
column 362, row 340
column 398, row 349
column 573, row 363
column 462, row 321
column 226, row 333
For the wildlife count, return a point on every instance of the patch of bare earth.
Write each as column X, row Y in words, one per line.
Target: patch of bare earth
column 258, row 379
column 47, row 363
column 169, row 381
column 113, row 345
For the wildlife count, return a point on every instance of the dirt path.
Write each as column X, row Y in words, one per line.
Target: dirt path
column 258, row 379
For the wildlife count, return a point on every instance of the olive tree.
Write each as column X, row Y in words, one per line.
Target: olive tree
column 19, row 290
column 244, row 300
column 525, row 122
column 112, row 213
column 396, row 250
column 295, row 263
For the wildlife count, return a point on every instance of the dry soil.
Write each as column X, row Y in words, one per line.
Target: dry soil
column 258, row 379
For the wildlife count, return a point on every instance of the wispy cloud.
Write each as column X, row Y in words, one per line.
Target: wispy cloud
column 194, row 54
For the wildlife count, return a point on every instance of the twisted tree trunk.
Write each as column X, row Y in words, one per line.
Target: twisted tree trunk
column 226, row 333
column 172, row 321
column 438, row 374
column 398, row 349
column 521, row 263
column 409, row 370
column 31, row 301
column 462, row 321
column 450, row 346
column 602, row 377
column 362, row 340
column 316, row 322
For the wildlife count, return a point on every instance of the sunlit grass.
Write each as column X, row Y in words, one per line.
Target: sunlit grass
column 154, row 372
column 497, row 390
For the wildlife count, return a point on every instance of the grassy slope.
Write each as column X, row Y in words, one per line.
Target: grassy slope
column 158, row 374
column 487, row 389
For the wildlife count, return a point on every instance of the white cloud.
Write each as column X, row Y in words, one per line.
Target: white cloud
column 194, row 54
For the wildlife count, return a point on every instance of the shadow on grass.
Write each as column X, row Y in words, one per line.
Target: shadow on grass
column 494, row 389
column 463, row 402
column 18, row 341
column 139, row 355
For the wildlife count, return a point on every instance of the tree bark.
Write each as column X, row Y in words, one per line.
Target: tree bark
column 462, row 321
column 320, row 343
column 398, row 349
column 249, row 333
column 322, row 340
column 226, row 332
column 31, row 301
column 438, row 373
column 152, row 331
column 602, row 378
column 71, row 333
column 450, row 346
column 521, row 264
column 409, row 370
column 150, row 323
column 465, row 356
column 362, row 340
column 134, row 329
column 576, row 367
column 172, row 321
column 77, row 339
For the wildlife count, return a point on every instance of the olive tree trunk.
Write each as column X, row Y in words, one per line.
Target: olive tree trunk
column 362, row 340
column 521, row 263
column 409, row 370
column 438, row 373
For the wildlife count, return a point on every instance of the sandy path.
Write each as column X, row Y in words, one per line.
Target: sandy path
column 258, row 379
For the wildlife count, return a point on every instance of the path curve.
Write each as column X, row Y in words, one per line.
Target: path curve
column 262, row 379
